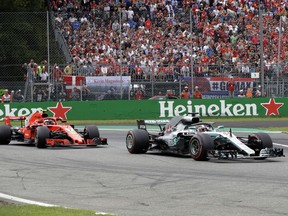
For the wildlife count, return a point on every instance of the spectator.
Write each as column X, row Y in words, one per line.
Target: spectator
column 110, row 95
column 104, row 70
column 72, row 18
column 258, row 92
column 39, row 70
column 185, row 70
column 146, row 71
column 249, row 93
column 31, row 69
column 68, row 70
column 40, row 93
column 44, row 76
column 85, row 92
column 57, row 73
column 139, row 94
column 130, row 13
column 225, row 29
column 59, row 91
column 6, row 97
column 231, row 87
column 106, row 11
column 18, row 97
column 241, row 94
column 115, row 26
column 12, row 95
column 75, row 95
column 185, row 93
column 197, row 94
column 170, row 94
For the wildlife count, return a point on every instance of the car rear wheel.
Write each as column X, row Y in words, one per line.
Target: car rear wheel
column 5, row 134
column 200, row 145
column 137, row 141
column 42, row 133
column 92, row 131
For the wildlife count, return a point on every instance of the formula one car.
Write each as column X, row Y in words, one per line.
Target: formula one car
column 43, row 131
column 187, row 135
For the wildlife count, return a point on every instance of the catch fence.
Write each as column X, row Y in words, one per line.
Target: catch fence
column 41, row 38
column 90, row 85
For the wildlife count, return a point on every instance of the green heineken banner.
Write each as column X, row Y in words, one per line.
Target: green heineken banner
column 152, row 109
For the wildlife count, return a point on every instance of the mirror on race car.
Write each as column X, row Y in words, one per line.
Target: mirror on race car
column 219, row 127
column 174, row 129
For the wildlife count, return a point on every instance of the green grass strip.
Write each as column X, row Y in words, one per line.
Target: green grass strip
column 33, row 210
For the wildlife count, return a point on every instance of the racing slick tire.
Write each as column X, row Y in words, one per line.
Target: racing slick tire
column 258, row 141
column 42, row 133
column 199, row 146
column 92, row 131
column 137, row 141
column 265, row 140
column 5, row 134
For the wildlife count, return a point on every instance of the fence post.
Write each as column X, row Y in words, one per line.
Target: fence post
column 191, row 57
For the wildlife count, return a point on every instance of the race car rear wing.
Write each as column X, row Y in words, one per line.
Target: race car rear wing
column 143, row 123
column 8, row 119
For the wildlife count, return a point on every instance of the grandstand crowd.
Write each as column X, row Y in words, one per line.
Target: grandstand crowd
column 155, row 37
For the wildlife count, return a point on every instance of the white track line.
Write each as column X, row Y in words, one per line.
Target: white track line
column 31, row 202
column 26, row 201
column 278, row 144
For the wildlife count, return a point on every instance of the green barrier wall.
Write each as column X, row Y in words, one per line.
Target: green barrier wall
column 153, row 109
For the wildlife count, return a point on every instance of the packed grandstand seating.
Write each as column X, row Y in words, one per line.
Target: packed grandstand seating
column 155, row 37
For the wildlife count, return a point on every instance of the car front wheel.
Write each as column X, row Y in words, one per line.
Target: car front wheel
column 259, row 141
column 92, row 131
column 200, row 145
column 42, row 133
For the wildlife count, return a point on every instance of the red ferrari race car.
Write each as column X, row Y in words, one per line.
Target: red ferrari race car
column 43, row 131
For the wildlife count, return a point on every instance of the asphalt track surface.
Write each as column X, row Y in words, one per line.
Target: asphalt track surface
column 109, row 179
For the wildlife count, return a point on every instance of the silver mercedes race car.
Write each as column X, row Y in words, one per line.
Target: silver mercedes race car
column 188, row 135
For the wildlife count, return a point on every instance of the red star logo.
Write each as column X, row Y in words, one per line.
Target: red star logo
column 272, row 107
column 59, row 110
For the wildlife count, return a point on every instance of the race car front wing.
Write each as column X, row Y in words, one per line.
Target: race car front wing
column 233, row 154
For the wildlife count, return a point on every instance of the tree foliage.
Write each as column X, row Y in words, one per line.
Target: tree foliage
column 23, row 34
column 22, row 5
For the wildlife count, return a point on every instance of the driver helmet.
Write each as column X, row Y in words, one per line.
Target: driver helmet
column 48, row 122
column 202, row 128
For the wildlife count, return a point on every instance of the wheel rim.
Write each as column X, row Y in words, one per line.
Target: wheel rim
column 36, row 139
column 195, row 147
column 129, row 141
